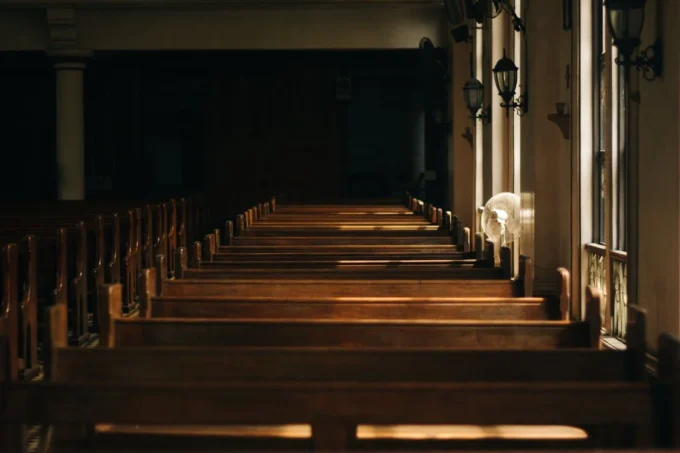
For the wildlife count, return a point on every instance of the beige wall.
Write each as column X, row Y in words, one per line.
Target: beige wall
column 545, row 176
column 545, row 155
column 659, row 145
column 546, row 161
column 463, row 151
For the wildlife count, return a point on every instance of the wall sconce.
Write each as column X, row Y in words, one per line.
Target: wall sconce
column 473, row 92
column 625, row 19
column 481, row 9
column 505, row 75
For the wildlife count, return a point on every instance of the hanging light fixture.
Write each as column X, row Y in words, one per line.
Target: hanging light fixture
column 479, row 10
column 625, row 19
column 505, row 76
column 473, row 91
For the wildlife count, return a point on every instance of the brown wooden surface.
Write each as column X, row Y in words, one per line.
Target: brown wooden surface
column 369, row 231
column 340, row 248
column 330, row 256
column 309, row 364
column 364, row 308
column 342, row 288
column 351, row 333
column 302, row 240
column 246, row 270
column 461, row 403
column 331, row 351
column 357, row 265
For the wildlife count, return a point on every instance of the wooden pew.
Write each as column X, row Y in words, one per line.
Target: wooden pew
column 310, row 249
column 202, row 332
column 342, row 248
column 332, row 391
column 254, row 223
column 369, row 269
column 533, row 308
column 426, row 231
column 335, row 331
column 79, row 258
column 377, row 254
column 300, row 241
column 489, row 282
column 343, row 288
column 323, row 270
column 451, row 233
column 668, row 390
column 72, row 263
column 342, row 209
column 335, row 218
column 324, row 338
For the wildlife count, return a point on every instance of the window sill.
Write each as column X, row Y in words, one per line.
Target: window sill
column 610, row 342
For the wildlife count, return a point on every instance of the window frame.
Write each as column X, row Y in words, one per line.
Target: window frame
column 607, row 259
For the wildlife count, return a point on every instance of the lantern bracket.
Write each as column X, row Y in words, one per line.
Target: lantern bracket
column 484, row 115
column 649, row 61
column 520, row 105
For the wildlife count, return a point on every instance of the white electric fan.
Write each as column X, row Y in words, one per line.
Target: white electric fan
column 501, row 219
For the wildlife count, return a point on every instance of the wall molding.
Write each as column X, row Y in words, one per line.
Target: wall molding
column 201, row 4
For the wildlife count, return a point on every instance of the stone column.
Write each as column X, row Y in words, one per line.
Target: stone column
column 70, row 130
column 500, row 117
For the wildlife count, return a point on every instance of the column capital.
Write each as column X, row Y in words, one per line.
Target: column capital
column 69, row 58
column 62, row 28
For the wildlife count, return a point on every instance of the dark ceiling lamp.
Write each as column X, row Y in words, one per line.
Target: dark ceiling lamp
column 505, row 75
column 461, row 12
column 625, row 19
column 481, row 9
column 473, row 92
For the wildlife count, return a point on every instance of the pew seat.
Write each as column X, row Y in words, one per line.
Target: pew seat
column 342, row 288
column 533, row 308
column 293, row 271
column 338, row 248
column 304, row 241
column 344, row 256
column 426, row 231
column 334, row 391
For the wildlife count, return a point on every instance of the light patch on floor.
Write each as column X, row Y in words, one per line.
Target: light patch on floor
column 443, row 432
column 283, row 431
column 471, row 432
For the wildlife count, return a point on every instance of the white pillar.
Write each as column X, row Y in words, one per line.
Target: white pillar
column 500, row 117
column 70, row 135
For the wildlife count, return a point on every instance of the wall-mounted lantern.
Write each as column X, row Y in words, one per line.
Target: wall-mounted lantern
column 625, row 19
column 474, row 100
column 505, row 76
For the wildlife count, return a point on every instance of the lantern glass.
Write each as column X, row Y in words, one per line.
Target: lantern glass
column 474, row 95
column 625, row 18
column 505, row 76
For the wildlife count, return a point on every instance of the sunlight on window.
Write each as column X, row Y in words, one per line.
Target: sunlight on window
column 517, row 122
column 585, row 114
column 479, row 126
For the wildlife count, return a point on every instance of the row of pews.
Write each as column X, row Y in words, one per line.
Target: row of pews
column 61, row 253
column 334, row 327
